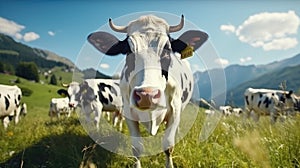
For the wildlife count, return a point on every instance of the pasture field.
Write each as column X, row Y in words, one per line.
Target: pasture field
column 36, row 142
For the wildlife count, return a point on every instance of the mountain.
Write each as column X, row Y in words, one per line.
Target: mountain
column 234, row 75
column 239, row 77
column 53, row 57
column 12, row 52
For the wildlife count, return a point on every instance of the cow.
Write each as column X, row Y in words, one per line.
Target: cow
column 156, row 84
column 267, row 102
column 58, row 107
column 226, row 110
column 96, row 96
column 209, row 112
column 237, row 111
column 10, row 101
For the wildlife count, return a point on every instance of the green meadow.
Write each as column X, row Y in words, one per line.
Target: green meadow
column 36, row 142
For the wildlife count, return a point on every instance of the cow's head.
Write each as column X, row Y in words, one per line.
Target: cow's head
column 149, row 49
column 72, row 92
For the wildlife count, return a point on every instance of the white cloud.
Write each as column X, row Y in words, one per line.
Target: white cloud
column 51, row 33
column 247, row 59
column 10, row 28
column 104, row 66
column 228, row 28
column 30, row 36
column 270, row 30
column 14, row 29
column 280, row 44
column 222, row 61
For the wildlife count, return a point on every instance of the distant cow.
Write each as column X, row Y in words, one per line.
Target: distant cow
column 96, row 96
column 226, row 110
column 237, row 111
column 10, row 101
column 209, row 112
column 267, row 102
column 156, row 84
column 58, row 107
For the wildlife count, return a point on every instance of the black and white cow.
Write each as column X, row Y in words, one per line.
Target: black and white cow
column 226, row 110
column 58, row 107
column 237, row 111
column 267, row 102
column 10, row 101
column 96, row 96
column 156, row 84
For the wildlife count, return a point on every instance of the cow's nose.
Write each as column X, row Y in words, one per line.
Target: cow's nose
column 146, row 97
column 71, row 104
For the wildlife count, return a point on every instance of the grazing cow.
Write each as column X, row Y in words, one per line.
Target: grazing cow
column 267, row 102
column 226, row 110
column 59, row 106
column 209, row 112
column 96, row 95
column 156, row 84
column 10, row 98
column 237, row 111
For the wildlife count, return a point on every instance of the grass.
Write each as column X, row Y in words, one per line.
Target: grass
column 36, row 142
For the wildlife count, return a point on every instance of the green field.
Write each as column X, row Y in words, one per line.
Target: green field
column 37, row 143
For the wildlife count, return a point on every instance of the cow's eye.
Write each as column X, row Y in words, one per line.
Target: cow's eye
column 167, row 46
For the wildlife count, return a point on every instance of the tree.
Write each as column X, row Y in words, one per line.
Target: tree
column 1, row 67
column 53, row 80
column 28, row 70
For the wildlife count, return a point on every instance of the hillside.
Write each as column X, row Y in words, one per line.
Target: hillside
column 12, row 52
column 53, row 57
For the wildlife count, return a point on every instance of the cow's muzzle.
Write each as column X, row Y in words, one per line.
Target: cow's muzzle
column 71, row 105
column 146, row 98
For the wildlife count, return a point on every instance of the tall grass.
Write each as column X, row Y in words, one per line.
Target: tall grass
column 236, row 142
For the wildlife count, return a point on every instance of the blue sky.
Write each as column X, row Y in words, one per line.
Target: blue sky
column 241, row 32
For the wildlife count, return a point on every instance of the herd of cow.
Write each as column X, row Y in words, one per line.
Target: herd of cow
column 274, row 103
column 155, row 85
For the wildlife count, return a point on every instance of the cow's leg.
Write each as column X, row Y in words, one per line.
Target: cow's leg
column 247, row 113
column 6, row 122
column 68, row 112
column 58, row 114
column 97, row 106
column 17, row 116
column 115, row 118
column 273, row 116
column 86, row 110
column 169, row 140
column 255, row 116
column 136, row 140
column 169, row 137
column 107, row 114
column 121, row 119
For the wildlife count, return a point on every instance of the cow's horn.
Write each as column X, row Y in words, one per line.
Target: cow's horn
column 65, row 85
column 121, row 29
column 177, row 27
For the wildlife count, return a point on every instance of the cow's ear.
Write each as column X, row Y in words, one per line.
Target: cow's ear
column 63, row 92
column 108, row 43
column 194, row 38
